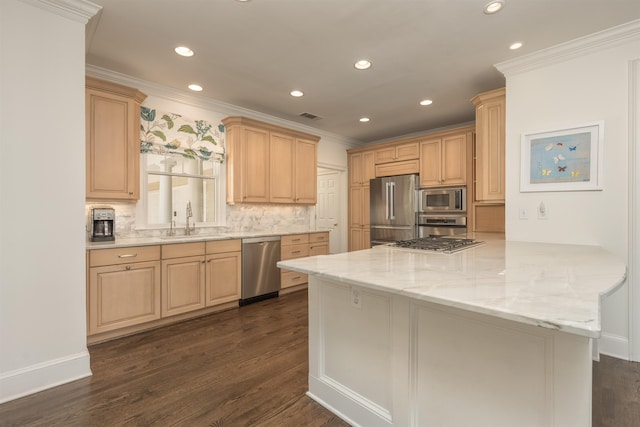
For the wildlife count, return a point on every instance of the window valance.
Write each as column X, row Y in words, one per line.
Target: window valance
column 173, row 134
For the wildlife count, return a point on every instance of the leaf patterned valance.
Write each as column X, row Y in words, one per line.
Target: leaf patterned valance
column 173, row 134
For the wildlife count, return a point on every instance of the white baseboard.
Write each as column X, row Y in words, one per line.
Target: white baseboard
column 35, row 378
column 614, row 346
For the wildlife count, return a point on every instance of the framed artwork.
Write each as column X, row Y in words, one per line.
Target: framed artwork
column 568, row 159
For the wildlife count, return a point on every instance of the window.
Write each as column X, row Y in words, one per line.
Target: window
column 170, row 182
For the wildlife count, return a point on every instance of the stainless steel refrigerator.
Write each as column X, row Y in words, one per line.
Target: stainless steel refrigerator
column 393, row 208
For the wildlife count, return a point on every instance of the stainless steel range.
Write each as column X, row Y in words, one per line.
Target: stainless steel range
column 446, row 245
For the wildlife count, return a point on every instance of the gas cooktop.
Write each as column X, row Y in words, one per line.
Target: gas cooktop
column 446, row 245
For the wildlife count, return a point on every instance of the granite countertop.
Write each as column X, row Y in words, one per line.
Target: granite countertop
column 166, row 240
column 549, row 285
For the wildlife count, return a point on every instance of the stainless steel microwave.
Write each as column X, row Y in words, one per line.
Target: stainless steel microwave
column 451, row 200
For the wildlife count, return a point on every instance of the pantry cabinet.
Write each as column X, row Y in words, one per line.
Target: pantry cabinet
column 269, row 164
column 488, row 205
column 362, row 169
column 112, row 140
column 123, row 288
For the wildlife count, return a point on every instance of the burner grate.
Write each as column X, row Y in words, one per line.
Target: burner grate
column 438, row 244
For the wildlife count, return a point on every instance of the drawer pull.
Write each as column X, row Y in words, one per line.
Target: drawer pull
column 295, row 240
column 128, row 256
column 296, row 278
column 295, row 252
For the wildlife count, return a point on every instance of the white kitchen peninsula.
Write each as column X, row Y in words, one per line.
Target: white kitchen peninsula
column 496, row 335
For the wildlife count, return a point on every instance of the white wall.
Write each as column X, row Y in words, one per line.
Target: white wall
column 578, row 82
column 42, row 157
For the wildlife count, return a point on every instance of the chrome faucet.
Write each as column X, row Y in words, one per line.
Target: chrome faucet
column 189, row 230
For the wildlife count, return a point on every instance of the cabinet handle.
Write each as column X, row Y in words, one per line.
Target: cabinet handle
column 128, row 267
column 128, row 256
column 296, row 278
column 295, row 240
column 209, row 260
column 295, row 252
column 202, row 262
column 131, row 193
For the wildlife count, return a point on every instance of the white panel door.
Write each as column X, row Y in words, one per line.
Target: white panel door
column 328, row 208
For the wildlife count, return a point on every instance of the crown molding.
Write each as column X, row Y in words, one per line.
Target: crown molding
column 578, row 47
column 175, row 95
column 77, row 10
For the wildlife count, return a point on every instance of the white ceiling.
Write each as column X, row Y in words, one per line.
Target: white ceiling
column 252, row 54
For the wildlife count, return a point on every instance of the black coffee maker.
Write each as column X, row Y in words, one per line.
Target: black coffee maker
column 103, row 221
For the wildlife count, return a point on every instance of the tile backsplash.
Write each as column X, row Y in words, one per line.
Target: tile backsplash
column 240, row 218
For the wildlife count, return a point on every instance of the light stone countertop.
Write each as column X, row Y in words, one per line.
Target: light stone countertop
column 166, row 240
column 549, row 285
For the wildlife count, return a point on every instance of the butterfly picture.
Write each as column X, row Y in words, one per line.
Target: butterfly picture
column 546, row 171
column 575, row 173
column 562, row 168
column 549, row 147
column 573, row 148
column 559, row 144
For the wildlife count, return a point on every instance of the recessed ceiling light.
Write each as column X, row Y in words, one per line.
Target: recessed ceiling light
column 426, row 102
column 195, row 87
column 183, row 51
column 362, row 64
column 365, row 119
column 297, row 93
column 493, row 7
column 516, row 45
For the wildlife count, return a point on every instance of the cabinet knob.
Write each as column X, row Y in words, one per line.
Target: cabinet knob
column 131, row 193
column 128, row 267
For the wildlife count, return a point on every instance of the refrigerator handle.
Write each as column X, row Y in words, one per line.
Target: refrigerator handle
column 392, row 201
column 386, row 201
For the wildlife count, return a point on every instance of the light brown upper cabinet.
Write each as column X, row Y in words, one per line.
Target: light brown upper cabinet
column 112, row 140
column 397, row 153
column 443, row 159
column 361, row 171
column 269, row 164
column 490, row 146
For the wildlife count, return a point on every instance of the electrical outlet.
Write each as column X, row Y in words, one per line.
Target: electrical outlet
column 356, row 298
column 523, row 213
column 543, row 213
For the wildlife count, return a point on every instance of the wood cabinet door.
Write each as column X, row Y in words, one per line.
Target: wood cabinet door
column 490, row 150
column 385, row 155
column 355, row 206
column 123, row 295
column 355, row 169
column 318, row 249
column 255, row 165
column 368, row 167
column 112, row 149
column 454, row 159
column 430, row 163
column 224, row 278
column 355, row 239
column 407, row 151
column 282, row 152
column 306, row 176
column 182, row 285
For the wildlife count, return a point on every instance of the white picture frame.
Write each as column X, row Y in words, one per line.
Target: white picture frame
column 565, row 159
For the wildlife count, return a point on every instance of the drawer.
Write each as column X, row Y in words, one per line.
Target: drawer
column 290, row 278
column 319, row 237
column 319, row 249
column 221, row 246
column 294, row 239
column 294, row 251
column 99, row 257
column 179, row 250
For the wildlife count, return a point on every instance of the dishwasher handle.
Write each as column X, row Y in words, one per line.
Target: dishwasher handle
column 264, row 239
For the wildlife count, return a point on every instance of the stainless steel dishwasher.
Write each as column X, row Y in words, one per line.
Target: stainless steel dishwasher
column 260, row 275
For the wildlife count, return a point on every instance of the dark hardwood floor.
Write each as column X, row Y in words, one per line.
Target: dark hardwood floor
column 245, row 367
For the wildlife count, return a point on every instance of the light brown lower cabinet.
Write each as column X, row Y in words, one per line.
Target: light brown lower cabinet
column 136, row 288
column 223, row 272
column 124, row 288
column 299, row 246
column 183, row 268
